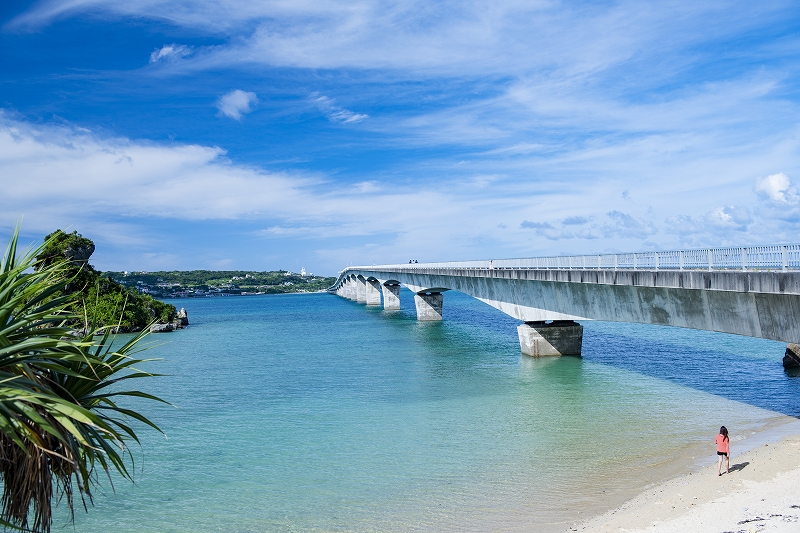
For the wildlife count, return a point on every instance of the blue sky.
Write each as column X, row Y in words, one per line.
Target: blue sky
column 281, row 134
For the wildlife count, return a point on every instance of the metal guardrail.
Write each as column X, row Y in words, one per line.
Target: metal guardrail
column 778, row 257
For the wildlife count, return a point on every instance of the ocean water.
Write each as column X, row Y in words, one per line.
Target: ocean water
column 310, row 412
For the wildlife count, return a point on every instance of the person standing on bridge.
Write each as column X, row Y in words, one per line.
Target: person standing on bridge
column 723, row 449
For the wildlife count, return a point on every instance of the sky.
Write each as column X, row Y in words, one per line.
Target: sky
column 274, row 134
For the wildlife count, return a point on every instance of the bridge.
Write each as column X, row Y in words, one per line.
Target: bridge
column 752, row 291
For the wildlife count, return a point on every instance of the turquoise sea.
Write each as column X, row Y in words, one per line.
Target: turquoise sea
column 310, row 412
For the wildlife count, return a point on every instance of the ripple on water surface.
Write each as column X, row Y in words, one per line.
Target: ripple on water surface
column 313, row 413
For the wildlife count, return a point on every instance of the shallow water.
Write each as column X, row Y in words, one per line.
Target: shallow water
column 314, row 413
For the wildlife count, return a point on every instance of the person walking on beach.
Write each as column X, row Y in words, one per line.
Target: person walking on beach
column 723, row 448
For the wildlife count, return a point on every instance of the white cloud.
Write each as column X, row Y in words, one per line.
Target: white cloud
column 722, row 226
column 732, row 217
column 367, row 187
column 170, row 52
column 548, row 231
column 119, row 182
column 625, row 225
column 64, row 167
column 236, row 103
column 575, row 220
column 334, row 112
column 535, row 225
column 119, row 179
column 442, row 38
column 777, row 188
column 522, row 148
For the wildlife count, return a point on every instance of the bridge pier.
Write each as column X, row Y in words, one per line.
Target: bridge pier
column 429, row 306
column 391, row 297
column 373, row 292
column 354, row 289
column 361, row 290
column 350, row 289
column 560, row 337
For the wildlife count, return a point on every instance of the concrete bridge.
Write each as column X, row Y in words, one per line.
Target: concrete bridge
column 752, row 291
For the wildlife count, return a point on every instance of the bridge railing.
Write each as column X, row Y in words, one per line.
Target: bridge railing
column 776, row 257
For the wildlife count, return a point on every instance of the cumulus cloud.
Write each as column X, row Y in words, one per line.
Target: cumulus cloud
column 625, row 225
column 535, row 225
column 334, row 112
column 575, row 221
column 777, row 188
column 237, row 103
column 730, row 217
column 721, row 226
column 683, row 225
column 170, row 52
column 550, row 232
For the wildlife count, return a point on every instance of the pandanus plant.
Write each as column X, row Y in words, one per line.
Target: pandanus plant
column 60, row 423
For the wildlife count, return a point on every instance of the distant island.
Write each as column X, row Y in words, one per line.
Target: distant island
column 203, row 283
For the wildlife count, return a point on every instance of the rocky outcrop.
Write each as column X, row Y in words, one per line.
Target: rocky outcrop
column 161, row 328
column 182, row 317
column 80, row 251
column 791, row 358
column 180, row 321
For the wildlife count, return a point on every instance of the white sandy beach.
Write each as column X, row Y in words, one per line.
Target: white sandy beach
column 761, row 493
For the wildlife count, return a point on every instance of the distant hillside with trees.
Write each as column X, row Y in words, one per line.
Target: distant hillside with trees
column 182, row 284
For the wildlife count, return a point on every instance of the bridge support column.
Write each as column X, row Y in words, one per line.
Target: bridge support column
column 560, row 337
column 391, row 297
column 354, row 290
column 373, row 292
column 361, row 290
column 429, row 306
column 349, row 290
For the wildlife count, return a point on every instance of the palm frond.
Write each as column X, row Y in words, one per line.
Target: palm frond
column 59, row 421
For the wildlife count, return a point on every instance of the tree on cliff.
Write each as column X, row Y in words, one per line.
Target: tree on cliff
column 60, row 423
column 100, row 299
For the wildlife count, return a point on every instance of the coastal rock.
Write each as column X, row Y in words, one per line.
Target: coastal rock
column 80, row 251
column 182, row 317
column 791, row 358
column 161, row 328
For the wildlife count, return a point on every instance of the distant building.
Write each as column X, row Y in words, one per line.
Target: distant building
column 303, row 271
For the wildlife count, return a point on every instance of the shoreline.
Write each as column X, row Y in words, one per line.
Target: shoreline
column 226, row 295
column 761, row 493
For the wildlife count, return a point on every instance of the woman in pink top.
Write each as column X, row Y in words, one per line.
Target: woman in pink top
column 723, row 448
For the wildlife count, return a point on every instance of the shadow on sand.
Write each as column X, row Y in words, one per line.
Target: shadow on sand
column 740, row 466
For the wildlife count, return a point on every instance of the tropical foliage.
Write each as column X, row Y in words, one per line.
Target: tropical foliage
column 99, row 296
column 60, row 420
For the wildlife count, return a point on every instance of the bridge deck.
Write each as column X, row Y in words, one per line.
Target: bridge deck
column 768, row 282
